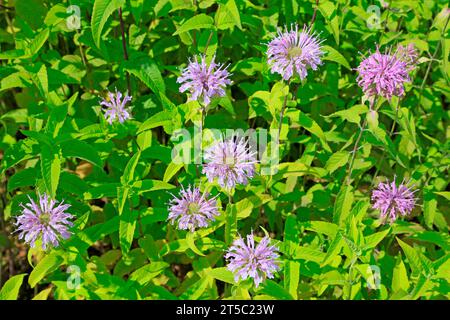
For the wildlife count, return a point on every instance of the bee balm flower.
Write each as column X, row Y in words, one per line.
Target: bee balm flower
column 46, row 220
column 204, row 81
column 294, row 52
column 383, row 74
column 230, row 161
column 115, row 107
column 255, row 261
column 193, row 209
column 393, row 201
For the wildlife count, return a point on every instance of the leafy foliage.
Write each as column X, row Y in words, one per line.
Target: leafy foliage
column 56, row 66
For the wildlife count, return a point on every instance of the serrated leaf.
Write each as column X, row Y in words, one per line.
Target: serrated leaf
column 400, row 277
column 171, row 170
column 47, row 265
column 82, row 150
column 292, row 277
column 145, row 274
column 337, row 160
column 127, row 226
column 50, row 169
column 101, row 11
column 343, row 204
column 227, row 16
column 10, row 289
column 148, row 72
column 200, row 21
column 160, row 119
column 335, row 56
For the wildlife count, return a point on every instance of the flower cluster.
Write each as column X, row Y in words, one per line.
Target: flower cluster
column 114, row 107
column 385, row 74
column 294, row 51
column 230, row 161
column 193, row 209
column 393, row 201
column 248, row 260
column 46, row 221
column 204, row 81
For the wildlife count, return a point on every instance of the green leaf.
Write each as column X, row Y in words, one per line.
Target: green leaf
column 190, row 240
column 199, row 21
column 37, row 43
column 372, row 240
column 309, row 124
column 273, row 289
column 128, row 173
column 160, row 119
column 43, row 295
column 334, row 249
column 171, row 170
column 82, row 150
column 47, row 265
column 127, row 226
column 149, row 185
column 412, row 256
column 145, row 274
column 335, row 56
column 195, row 291
column 50, row 169
column 227, row 16
column 351, row 114
column 148, row 72
column 10, row 289
column 222, row 274
column 100, row 13
column 337, row 160
column 23, row 178
column 400, row 277
column 343, row 204
column 429, row 207
column 292, row 277
column 329, row 12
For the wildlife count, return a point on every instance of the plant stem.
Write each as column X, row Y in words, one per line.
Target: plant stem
column 384, row 150
column 315, row 12
column 207, row 42
column 282, row 113
column 355, row 148
column 124, row 46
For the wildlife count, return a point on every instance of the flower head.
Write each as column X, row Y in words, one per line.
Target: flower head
column 204, row 81
column 193, row 209
column 393, row 201
column 294, row 51
column 46, row 220
column 231, row 161
column 384, row 74
column 255, row 261
column 115, row 107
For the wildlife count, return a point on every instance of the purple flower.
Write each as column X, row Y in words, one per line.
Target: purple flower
column 246, row 260
column 193, row 209
column 383, row 74
column 294, row 52
column 115, row 107
column 204, row 81
column 46, row 220
column 392, row 200
column 231, row 161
